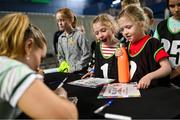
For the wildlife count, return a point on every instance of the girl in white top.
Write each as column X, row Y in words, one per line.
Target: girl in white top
column 21, row 87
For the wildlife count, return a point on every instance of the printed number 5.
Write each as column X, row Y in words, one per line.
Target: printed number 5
column 174, row 50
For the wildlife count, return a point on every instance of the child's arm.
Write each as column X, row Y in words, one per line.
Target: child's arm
column 164, row 70
column 89, row 74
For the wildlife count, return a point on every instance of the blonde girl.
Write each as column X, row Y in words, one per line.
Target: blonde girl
column 104, row 29
column 73, row 48
column 148, row 60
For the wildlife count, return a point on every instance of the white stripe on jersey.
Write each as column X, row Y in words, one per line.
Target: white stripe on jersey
column 108, row 51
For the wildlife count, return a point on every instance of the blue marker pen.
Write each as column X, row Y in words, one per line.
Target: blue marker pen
column 103, row 107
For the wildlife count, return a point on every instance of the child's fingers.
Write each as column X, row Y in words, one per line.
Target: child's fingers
column 92, row 74
column 118, row 52
column 86, row 75
column 142, row 85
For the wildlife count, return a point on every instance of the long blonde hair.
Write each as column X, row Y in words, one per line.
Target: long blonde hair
column 134, row 13
column 15, row 29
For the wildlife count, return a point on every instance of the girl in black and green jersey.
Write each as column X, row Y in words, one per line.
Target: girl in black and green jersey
column 148, row 60
column 168, row 32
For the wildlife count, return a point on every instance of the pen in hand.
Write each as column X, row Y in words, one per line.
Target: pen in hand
column 103, row 107
column 62, row 83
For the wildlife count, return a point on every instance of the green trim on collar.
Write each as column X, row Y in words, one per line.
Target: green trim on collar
column 139, row 50
column 169, row 28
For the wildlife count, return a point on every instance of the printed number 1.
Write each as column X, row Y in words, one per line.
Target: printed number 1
column 104, row 68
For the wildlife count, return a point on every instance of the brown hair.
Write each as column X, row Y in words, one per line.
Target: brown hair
column 125, row 3
column 130, row 1
column 15, row 29
column 167, row 3
column 133, row 12
column 67, row 13
column 149, row 12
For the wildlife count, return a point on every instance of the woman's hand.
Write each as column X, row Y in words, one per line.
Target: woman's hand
column 61, row 92
column 40, row 71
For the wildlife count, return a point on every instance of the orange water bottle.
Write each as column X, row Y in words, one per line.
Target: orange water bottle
column 123, row 66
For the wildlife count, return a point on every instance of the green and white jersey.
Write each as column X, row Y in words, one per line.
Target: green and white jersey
column 15, row 78
column 168, row 32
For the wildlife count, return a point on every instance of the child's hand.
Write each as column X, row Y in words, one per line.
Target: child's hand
column 118, row 52
column 89, row 74
column 144, row 82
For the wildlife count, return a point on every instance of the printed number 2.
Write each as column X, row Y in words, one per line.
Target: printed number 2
column 104, row 68
column 174, row 50
column 133, row 69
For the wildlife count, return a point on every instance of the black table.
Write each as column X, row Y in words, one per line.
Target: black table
column 155, row 103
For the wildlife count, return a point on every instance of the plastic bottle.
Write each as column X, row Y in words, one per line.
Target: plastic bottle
column 123, row 66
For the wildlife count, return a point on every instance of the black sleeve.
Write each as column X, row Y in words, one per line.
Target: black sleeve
column 55, row 40
column 97, row 67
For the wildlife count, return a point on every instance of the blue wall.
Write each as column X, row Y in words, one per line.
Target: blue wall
column 80, row 7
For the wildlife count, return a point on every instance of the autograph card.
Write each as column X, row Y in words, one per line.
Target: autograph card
column 119, row 90
column 91, row 82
